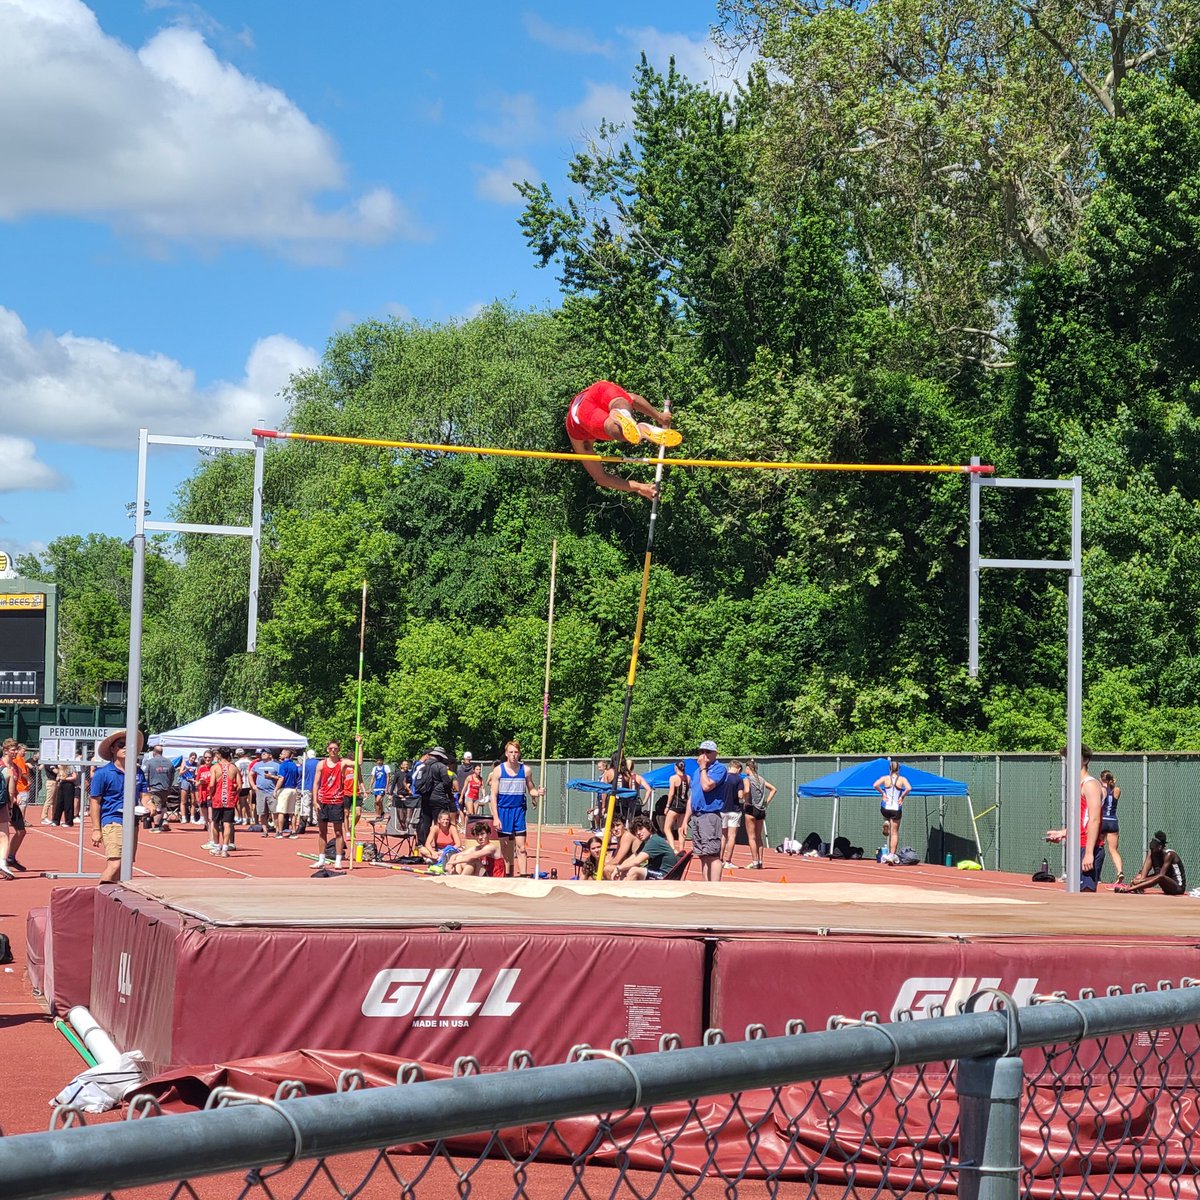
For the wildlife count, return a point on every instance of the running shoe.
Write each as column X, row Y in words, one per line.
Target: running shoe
column 660, row 436
column 631, row 431
column 16, row 866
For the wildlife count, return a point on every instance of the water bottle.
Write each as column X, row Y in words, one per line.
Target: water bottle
column 949, row 860
column 880, row 853
column 1045, row 866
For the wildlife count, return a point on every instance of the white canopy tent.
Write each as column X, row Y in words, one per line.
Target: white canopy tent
column 228, row 727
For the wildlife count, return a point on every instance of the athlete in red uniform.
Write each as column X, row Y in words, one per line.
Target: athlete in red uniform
column 604, row 413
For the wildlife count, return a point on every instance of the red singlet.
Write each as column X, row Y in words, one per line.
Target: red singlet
column 589, row 410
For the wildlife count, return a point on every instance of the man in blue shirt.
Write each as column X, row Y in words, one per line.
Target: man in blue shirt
column 379, row 784
column 108, row 808
column 263, row 775
column 287, row 795
column 707, row 799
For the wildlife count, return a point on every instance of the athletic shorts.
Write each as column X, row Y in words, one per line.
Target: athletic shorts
column 222, row 813
column 891, row 814
column 185, row 787
column 512, row 822
column 755, row 813
column 1110, row 826
column 243, row 793
column 1089, row 880
column 17, row 817
column 678, row 806
column 589, row 410
column 159, row 796
column 335, row 814
column 731, row 820
column 706, row 834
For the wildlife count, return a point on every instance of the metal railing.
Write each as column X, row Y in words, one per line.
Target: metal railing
column 1090, row 1097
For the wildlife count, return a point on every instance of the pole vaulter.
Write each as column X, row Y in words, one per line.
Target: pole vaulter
column 619, row 759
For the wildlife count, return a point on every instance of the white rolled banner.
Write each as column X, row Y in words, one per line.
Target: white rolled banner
column 101, row 1047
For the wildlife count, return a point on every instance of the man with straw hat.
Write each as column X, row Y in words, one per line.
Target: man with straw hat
column 108, row 801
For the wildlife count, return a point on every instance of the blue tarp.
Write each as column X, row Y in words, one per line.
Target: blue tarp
column 857, row 780
column 660, row 777
column 598, row 788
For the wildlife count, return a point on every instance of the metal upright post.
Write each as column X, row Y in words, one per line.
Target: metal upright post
column 255, row 546
column 973, row 577
column 134, row 698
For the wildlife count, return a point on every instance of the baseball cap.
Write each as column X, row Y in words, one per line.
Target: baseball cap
column 466, row 756
column 709, row 745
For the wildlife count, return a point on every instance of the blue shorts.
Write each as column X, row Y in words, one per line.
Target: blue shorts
column 512, row 821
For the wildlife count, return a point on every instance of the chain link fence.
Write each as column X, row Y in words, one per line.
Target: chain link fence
column 1067, row 1098
column 1017, row 797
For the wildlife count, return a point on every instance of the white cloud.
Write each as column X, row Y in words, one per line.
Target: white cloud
column 23, row 470
column 81, row 389
column 497, row 184
column 15, row 550
column 514, row 119
column 601, row 102
column 167, row 141
column 558, row 37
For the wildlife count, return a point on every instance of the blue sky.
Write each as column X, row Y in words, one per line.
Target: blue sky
column 194, row 198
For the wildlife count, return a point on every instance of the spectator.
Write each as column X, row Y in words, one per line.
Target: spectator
column 627, row 779
column 307, row 810
column 1110, row 828
column 380, row 778
column 287, row 794
column 731, row 812
column 17, row 776
column 1162, row 868
column 892, row 789
column 189, row 810
column 443, row 840
column 263, row 776
column 707, row 801
column 400, row 788
column 462, row 773
column 108, row 811
column 678, row 791
column 1091, row 802
column 434, row 785
column 224, row 788
column 469, row 796
column 203, row 779
column 652, row 855
column 7, row 795
column 243, row 762
column 65, row 790
column 51, row 773
column 478, row 858
column 160, row 774
column 758, row 795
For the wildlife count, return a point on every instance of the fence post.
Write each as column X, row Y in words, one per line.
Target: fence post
column 990, row 1091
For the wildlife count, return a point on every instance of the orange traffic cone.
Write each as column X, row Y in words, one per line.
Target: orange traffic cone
column 783, row 879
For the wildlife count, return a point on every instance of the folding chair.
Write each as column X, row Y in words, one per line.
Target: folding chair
column 680, row 869
column 392, row 838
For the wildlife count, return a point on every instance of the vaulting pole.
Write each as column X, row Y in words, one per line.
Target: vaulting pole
column 633, row 659
column 537, row 851
column 728, row 464
column 362, row 642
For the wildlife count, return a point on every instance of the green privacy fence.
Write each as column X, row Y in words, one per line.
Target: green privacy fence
column 1016, row 798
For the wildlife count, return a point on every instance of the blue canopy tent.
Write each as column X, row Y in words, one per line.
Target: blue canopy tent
column 858, row 780
column 600, row 790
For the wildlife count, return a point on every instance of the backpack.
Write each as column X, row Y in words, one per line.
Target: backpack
column 6, row 954
column 909, row 857
column 811, row 843
column 843, row 849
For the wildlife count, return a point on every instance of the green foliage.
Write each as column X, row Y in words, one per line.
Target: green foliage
column 916, row 234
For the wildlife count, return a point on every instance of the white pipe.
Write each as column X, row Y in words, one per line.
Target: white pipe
column 101, row 1047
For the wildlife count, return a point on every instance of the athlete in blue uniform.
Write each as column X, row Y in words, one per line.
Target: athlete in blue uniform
column 511, row 788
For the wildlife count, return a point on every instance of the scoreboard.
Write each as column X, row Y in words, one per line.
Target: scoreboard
column 28, row 641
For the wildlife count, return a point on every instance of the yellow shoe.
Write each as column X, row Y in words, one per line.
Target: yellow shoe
column 630, row 429
column 659, row 436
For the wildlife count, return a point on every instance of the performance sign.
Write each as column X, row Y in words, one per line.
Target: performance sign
column 80, row 733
